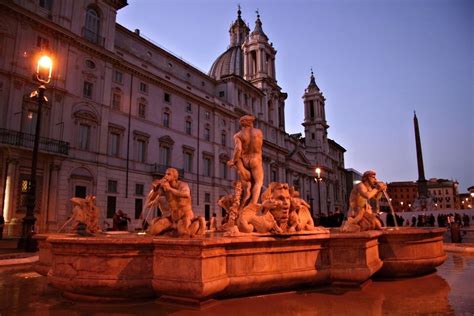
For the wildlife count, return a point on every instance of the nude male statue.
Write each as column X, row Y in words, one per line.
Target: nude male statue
column 247, row 158
column 363, row 218
column 174, row 200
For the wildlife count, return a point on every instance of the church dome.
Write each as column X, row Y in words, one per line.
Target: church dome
column 231, row 62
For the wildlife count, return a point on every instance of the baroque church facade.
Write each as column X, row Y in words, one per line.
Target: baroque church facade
column 121, row 110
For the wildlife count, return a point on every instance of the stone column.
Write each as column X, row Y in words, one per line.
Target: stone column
column 9, row 189
column 51, row 217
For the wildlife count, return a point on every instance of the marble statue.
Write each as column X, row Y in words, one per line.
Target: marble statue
column 173, row 197
column 85, row 215
column 300, row 210
column 281, row 209
column 281, row 212
column 362, row 217
column 247, row 159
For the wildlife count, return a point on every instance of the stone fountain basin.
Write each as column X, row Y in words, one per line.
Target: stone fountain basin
column 410, row 251
column 195, row 270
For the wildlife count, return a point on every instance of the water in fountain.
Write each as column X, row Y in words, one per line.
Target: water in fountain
column 391, row 208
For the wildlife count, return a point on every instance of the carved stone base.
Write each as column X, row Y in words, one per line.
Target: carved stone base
column 195, row 271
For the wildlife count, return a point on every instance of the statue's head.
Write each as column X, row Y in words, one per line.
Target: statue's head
column 280, row 193
column 369, row 177
column 247, row 120
column 171, row 174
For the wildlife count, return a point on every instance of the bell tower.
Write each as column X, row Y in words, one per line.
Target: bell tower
column 315, row 125
column 238, row 30
column 259, row 57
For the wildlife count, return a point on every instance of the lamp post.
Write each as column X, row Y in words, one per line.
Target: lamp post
column 319, row 179
column 43, row 75
column 401, row 203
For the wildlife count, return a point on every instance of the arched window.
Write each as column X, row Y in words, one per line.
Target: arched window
column 92, row 26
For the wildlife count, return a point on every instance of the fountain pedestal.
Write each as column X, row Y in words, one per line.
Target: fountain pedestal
column 195, row 270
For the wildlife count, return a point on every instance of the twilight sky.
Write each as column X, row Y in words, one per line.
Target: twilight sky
column 376, row 61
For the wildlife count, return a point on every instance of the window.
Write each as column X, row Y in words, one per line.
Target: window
column 166, row 119
column 189, row 108
column 311, row 109
column 29, row 122
column 91, row 29
column 139, row 189
column 114, row 143
column 207, row 133
column 90, row 64
column 112, row 186
column 142, row 110
column 207, row 197
column 46, row 4
column 223, row 167
column 141, row 150
column 118, row 77
column 42, row 43
column 84, row 136
column 116, row 100
column 138, row 208
column 167, row 97
column 111, row 206
column 143, row 87
column 188, row 162
column 221, row 94
column 207, row 166
column 188, row 127
column 223, row 138
column 165, row 155
column 87, row 89
column 274, row 175
column 207, row 115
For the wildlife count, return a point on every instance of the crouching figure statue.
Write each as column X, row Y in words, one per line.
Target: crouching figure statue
column 363, row 218
column 173, row 197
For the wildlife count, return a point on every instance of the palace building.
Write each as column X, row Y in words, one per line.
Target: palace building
column 121, row 110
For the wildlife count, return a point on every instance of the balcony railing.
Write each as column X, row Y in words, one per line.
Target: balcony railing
column 157, row 169
column 20, row 139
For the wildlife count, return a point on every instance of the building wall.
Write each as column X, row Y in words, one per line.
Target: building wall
column 150, row 76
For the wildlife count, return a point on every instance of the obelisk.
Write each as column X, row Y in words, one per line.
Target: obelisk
column 422, row 185
column 423, row 201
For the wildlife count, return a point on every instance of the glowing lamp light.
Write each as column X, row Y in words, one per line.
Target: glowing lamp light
column 44, row 69
column 318, row 172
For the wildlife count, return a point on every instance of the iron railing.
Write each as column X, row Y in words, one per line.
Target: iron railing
column 26, row 140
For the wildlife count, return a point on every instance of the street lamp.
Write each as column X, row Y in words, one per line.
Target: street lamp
column 401, row 203
column 43, row 75
column 319, row 179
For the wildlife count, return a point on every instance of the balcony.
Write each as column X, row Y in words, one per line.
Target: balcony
column 19, row 139
column 160, row 170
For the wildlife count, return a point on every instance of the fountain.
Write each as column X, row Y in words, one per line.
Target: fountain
column 263, row 247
